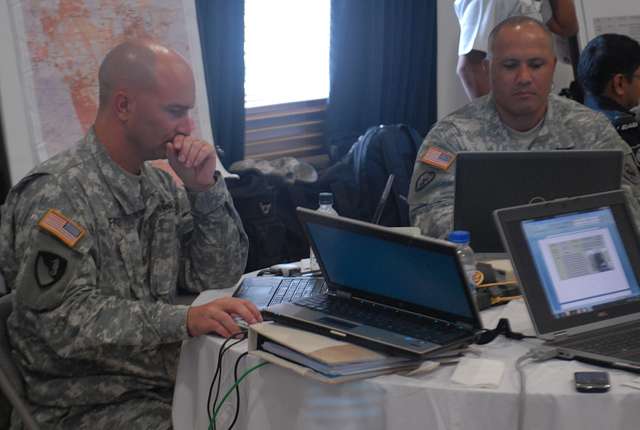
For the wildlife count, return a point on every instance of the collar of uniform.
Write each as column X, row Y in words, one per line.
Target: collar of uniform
column 494, row 122
column 544, row 133
column 154, row 195
column 124, row 186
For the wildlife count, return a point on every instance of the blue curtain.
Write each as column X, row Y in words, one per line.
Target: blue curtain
column 221, row 27
column 382, row 67
column 5, row 180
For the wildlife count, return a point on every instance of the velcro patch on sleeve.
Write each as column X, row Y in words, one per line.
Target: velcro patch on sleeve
column 61, row 227
column 438, row 158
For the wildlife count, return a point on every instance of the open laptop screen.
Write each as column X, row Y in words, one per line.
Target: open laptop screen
column 581, row 261
column 417, row 275
column 577, row 260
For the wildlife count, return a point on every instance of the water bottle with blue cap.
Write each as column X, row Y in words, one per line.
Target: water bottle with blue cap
column 462, row 239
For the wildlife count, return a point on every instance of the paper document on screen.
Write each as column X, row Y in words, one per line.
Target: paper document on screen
column 584, row 265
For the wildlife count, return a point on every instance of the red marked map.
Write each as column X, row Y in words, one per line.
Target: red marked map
column 60, row 44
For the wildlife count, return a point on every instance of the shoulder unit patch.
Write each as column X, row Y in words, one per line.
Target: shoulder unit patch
column 50, row 268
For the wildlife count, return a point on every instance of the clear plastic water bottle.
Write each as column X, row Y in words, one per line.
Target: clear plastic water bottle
column 325, row 205
column 462, row 238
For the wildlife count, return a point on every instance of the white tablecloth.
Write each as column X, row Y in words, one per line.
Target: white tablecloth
column 275, row 398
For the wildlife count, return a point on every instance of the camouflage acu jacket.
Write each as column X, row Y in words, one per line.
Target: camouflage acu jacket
column 477, row 127
column 93, row 321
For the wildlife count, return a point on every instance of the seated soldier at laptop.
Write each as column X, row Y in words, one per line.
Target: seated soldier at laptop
column 609, row 72
column 518, row 114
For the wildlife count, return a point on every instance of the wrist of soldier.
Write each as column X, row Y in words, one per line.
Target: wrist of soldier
column 200, row 188
column 189, row 319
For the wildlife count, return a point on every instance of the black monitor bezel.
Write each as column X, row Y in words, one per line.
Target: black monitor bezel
column 489, row 180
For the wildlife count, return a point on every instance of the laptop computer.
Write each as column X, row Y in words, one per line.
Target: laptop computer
column 486, row 181
column 265, row 291
column 387, row 290
column 578, row 263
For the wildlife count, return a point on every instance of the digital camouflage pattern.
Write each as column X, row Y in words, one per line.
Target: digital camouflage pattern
column 477, row 127
column 95, row 332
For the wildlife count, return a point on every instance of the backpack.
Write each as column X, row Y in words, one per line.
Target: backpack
column 266, row 206
column 255, row 200
column 358, row 179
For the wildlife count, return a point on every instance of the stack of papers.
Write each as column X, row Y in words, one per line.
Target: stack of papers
column 328, row 357
column 337, row 367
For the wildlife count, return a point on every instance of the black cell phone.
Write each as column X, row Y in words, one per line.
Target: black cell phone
column 592, row 382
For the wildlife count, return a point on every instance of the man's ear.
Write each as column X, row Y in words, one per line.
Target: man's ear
column 619, row 84
column 122, row 105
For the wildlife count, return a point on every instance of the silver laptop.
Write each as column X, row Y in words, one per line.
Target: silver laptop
column 386, row 290
column 578, row 264
column 486, row 181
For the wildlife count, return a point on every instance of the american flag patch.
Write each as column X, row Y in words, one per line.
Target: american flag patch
column 436, row 157
column 61, row 227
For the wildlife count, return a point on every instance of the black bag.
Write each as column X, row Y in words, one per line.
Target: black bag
column 255, row 200
column 359, row 178
column 266, row 206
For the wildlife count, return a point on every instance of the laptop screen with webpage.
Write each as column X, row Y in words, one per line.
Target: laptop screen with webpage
column 581, row 261
column 410, row 273
column 577, row 261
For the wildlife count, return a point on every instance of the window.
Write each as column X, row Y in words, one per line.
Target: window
column 286, row 51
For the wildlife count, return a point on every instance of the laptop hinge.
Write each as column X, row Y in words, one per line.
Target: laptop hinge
column 559, row 335
column 343, row 294
column 463, row 326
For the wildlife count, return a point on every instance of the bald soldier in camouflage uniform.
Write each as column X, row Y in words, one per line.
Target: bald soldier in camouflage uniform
column 95, row 242
column 518, row 115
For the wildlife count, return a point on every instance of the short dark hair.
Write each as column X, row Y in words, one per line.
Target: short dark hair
column 604, row 57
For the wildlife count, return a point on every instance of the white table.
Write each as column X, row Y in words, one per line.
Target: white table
column 275, row 398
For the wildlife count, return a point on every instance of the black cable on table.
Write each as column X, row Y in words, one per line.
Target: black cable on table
column 235, row 379
column 223, row 349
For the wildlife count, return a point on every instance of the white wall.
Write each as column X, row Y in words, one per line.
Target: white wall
column 19, row 154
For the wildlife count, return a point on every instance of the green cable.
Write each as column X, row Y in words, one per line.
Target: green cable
column 228, row 393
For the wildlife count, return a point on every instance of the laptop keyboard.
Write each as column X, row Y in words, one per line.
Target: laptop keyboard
column 295, row 288
column 385, row 318
column 614, row 342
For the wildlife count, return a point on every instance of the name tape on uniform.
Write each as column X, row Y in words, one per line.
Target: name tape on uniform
column 61, row 227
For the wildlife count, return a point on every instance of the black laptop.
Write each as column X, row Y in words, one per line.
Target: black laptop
column 578, row 263
column 486, row 181
column 387, row 290
column 266, row 291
